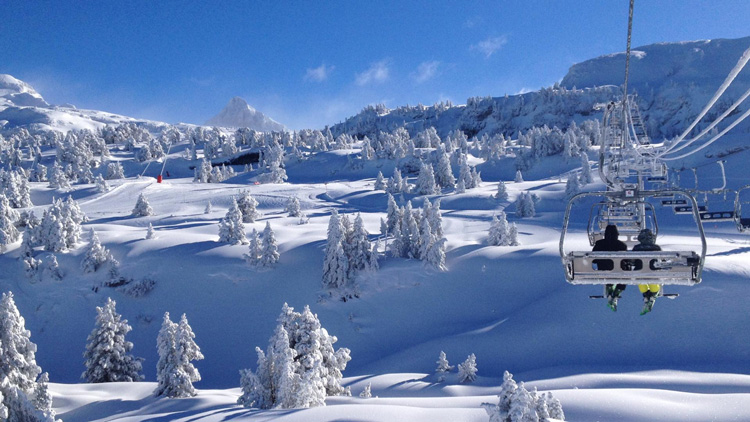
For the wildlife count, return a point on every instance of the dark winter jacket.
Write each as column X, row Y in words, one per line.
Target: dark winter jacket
column 647, row 241
column 608, row 244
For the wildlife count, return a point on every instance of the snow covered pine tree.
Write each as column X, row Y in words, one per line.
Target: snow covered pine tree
column 107, row 354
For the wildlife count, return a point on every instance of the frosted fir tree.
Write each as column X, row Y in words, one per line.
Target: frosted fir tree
column 269, row 254
column 252, row 257
column 52, row 269
column 525, row 205
column 432, row 213
column 231, row 228
column 395, row 183
column 393, row 215
column 519, row 177
column 96, row 255
column 476, row 177
column 512, row 239
column 426, row 180
column 248, row 206
column 188, row 351
column 501, row 411
column 367, row 392
column 276, row 174
column 554, row 407
column 22, row 389
column 502, row 191
column 442, row 364
column 444, row 174
column 426, row 239
column 57, row 177
column 142, row 207
column 335, row 262
column 150, row 234
column 208, row 208
column 379, row 182
column 8, row 232
column 499, row 231
column 541, row 406
column 586, row 176
column 467, row 370
column 410, row 231
column 101, row 184
column 42, row 399
column 397, row 247
column 572, row 187
column 461, row 186
column 202, row 173
column 176, row 346
column 107, row 356
column 464, row 173
column 292, row 207
column 360, row 248
column 166, row 344
column 522, row 406
column 115, row 171
column 27, row 243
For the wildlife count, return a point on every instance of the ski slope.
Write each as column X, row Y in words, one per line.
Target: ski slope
column 508, row 305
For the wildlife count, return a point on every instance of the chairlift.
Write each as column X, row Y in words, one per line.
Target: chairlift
column 742, row 198
column 642, row 267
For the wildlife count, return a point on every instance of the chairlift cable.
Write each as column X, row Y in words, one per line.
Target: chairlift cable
column 712, row 125
column 712, row 140
column 732, row 75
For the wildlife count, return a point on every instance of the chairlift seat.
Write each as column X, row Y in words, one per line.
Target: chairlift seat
column 689, row 210
column 642, row 267
column 673, row 202
column 718, row 216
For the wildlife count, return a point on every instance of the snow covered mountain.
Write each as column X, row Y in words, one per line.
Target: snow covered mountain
column 673, row 82
column 22, row 107
column 238, row 113
column 14, row 92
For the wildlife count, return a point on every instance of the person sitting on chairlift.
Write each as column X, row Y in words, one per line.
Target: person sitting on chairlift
column 647, row 242
column 610, row 243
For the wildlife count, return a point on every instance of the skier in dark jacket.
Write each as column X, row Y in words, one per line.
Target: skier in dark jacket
column 610, row 243
column 647, row 242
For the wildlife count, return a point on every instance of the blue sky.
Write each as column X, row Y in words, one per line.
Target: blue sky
column 307, row 64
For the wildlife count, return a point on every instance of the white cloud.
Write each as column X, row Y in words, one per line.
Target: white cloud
column 318, row 74
column 378, row 72
column 426, row 71
column 489, row 46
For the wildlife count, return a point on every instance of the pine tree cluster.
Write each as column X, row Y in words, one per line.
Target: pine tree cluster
column 348, row 252
column 300, row 367
column 417, row 234
column 517, row 404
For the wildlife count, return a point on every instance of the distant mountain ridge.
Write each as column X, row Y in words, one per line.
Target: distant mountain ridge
column 238, row 113
column 673, row 82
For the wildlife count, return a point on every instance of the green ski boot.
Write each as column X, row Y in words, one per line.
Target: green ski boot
column 648, row 303
column 611, row 293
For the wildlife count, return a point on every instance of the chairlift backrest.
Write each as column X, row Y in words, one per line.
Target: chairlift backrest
column 642, row 267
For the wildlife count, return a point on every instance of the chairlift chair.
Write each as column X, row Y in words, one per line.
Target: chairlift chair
column 642, row 267
column 742, row 198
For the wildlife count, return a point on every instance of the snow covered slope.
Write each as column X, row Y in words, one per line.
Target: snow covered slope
column 238, row 113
